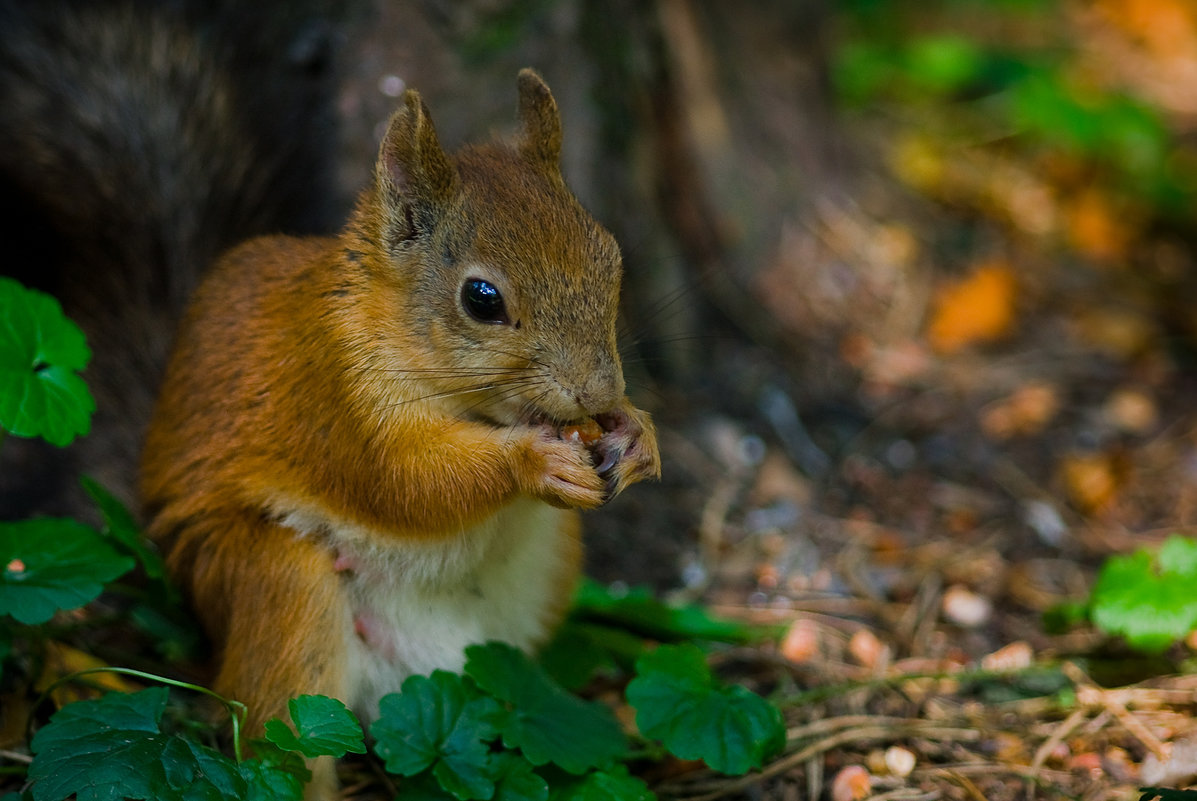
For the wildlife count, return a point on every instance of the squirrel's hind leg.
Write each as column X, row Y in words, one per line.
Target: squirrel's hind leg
column 280, row 610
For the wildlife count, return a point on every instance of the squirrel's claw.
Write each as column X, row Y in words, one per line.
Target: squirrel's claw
column 628, row 449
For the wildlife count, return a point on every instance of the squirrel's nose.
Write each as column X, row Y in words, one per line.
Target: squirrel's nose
column 602, row 389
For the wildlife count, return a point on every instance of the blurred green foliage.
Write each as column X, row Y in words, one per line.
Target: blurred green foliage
column 958, row 60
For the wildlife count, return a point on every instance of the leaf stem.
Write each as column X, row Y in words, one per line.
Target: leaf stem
column 236, row 709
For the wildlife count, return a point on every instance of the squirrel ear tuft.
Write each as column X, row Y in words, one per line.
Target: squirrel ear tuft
column 541, row 120
column 415, row 177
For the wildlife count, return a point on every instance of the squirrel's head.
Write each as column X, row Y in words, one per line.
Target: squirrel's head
column 512, row 287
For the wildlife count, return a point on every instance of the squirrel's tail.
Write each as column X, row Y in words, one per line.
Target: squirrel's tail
column 138, row 139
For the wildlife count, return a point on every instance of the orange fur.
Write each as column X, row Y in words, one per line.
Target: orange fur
column 337, row 435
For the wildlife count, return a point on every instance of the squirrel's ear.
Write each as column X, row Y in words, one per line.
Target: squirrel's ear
column 415, row 178
column 541, row 120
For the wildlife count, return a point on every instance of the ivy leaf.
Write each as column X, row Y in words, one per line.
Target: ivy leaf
column 120, row 526
column 614, row 784
column 514, row 777
column 1149, row 599
column 326, row 728
column 112, row 748
column 274, row 775
column 678, row 701
column 547, row 723
column 515, row 780
column 50, row 564
column 41, row 394
column 578, row 650
column 423, row 787
column 439, row 722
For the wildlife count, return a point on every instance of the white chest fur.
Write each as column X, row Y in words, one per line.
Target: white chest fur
column 417, row 605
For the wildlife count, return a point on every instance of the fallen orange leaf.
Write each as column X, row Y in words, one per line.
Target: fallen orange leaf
column 980, row 308
column 63, row 660
column 1096, row 228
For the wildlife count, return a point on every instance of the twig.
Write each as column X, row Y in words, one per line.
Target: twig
column 861, row 734
column 1057, row 736
column 15, row 756
column 1088, row 693
column 906, row 794
column 964, row 783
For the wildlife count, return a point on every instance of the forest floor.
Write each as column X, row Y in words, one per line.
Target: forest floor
column 978, row 388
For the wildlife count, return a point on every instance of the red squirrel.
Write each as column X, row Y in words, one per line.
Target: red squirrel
column 359, row 464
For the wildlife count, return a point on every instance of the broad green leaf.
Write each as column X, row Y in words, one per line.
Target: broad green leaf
column 639, row 611
column 274, row 774
column 578, row 650
column 41, row 351
column 1149, row 599
column 270, row 781
column 422, row 787
column 50, row 564
column 515, row 780
column 326, row 727
column 112, row 748
column 614, row 784
column 443, row 723
column 120, row 526
column 678, row 701
column 547, row 723
column 608, row 628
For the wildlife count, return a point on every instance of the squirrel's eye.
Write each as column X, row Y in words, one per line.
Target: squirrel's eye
column 483, row 302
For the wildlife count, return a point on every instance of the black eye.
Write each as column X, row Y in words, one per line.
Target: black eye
column 483, row 302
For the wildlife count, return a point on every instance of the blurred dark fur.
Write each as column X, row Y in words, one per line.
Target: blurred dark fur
column 137, row 140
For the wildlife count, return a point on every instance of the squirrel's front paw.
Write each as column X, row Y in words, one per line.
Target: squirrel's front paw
column 561, row 472
column 628, row 448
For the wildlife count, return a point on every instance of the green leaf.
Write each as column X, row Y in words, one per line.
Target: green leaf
column 439, row 722
column 943, row 64
column 1148, row 599
column 547, row 723
column 614, row 784
column 40, row 353
column 275, row 775
column 637, row 610
column 50, row 564
column 678, row 702
column 326, row 728
column 120, row 526
column 172, row 630
column 578, row 650
column 515, row 780
column 422, row 787
column 1166, row 794
column 112, row 748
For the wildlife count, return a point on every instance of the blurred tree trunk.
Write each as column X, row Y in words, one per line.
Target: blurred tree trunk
column 694, row 130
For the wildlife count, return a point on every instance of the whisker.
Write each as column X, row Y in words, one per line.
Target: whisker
column 514, row 385
column 447, row 372
column 656, row 310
